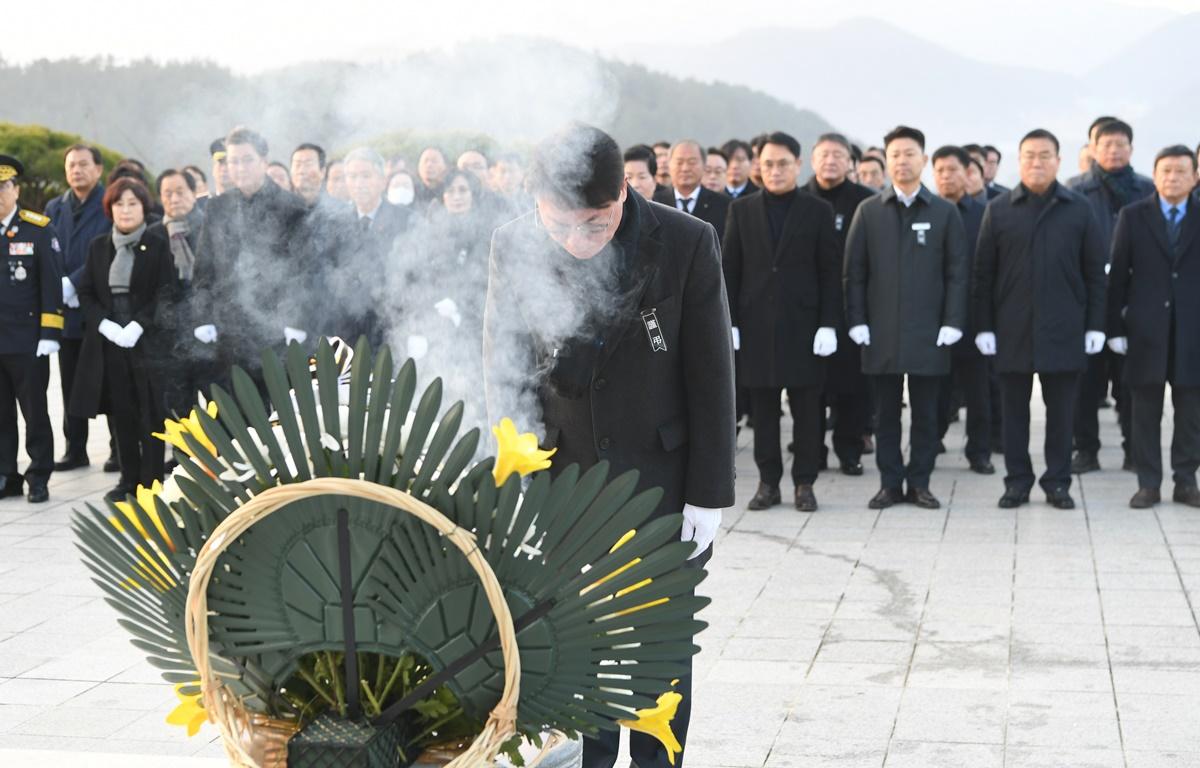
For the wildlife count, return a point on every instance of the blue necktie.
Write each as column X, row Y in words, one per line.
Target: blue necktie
column 1173, row 227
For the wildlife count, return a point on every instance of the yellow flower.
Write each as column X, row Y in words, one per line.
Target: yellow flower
column 656, row 722
column 173, row 431
column 145, row 500
column 517, row 452
column 190, row 711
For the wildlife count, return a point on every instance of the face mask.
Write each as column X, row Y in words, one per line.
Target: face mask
column 400, row 195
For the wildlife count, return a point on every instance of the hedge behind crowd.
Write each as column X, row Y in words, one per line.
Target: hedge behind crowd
column 40, row 150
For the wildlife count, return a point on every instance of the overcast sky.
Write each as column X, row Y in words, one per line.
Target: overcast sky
column 251, row 36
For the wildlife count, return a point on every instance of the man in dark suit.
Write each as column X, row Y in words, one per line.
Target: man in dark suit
column 906, row 304
column 608, row 315
column 737, row 174
column 991, row 168
column 780, row 257
column 1039, row 291
column 1153, row 317
column 1110, row 185
column 968, row 368
column 77, row 216
column 687, row 170
column 846, row 390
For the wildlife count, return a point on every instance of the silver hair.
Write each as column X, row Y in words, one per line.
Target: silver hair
column 366, row 154
column 685, row 143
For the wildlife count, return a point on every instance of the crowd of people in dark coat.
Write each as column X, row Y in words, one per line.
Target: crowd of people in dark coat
column 853, row 295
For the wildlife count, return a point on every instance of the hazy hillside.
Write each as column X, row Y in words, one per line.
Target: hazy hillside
column 513, row 90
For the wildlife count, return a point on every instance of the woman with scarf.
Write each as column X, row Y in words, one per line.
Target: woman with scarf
column 126, row 286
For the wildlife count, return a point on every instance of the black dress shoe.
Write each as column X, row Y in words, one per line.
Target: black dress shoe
column 1187, row 494
column 922, row 498
column 69, row 462
column 1060, row 498
column 806, row 500
column 765, row 497
column 1013, row 498
column 111, row 464
column 119, row 493
column 1145, row 498
column 868, row 445
column 852, row 468
column 1083, row 462
column 11, row 486
column 983, row 467
column 885, row 498
column 38, row 493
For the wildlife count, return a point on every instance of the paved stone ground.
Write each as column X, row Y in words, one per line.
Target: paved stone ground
column 968, row 637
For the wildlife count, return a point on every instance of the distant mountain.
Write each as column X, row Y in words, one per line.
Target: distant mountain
column 514, row 90
column 867, row 76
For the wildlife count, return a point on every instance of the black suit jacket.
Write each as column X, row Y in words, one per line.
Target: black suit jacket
column 1039, row 294
column 1152, row 292
column 710, row 206
column 780, row 294
column 668, row 413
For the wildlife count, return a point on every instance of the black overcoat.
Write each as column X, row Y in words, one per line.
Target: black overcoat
column 780, row 294
column 665, row 409
column 710, row 206
column 1152, row 284
column 905, row 277
column 1039, row 280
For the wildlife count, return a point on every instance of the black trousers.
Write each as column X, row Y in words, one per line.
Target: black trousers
column 852, row 416
column 806, row 406
column 1093, row 385
column 136, row 410
column 923, row 438
column 970, row 373
column 1146, row 436
column 645, row 750
column 1059, row 391
column 23, row 380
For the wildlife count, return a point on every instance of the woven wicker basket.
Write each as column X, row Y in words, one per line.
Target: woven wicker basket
column 254, row 741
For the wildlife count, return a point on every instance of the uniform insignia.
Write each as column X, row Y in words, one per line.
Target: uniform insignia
column 654, row 331
column 20, row 249
column 20, row 273
column 36, row 219
column 54, row 244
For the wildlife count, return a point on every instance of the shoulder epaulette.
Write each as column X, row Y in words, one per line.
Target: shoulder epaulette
column 36, row 219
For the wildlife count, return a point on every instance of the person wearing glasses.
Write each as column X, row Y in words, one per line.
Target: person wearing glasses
column 607, row 319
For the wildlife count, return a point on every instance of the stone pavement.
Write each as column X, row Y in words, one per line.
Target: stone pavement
column 968, row 636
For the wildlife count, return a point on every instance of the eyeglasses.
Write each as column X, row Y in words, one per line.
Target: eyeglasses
column 589, row 229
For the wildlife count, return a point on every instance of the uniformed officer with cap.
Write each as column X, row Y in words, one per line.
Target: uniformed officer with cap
column 31, row 322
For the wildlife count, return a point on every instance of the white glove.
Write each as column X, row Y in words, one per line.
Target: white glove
column 700, row 525
column 737, row 339
column 449, row 310
column 947, row 336
column 206, row 334
column 418, row 346
column 70, row 297
column 1093, row 342
column 1119, row 344
column 860, row 335
column 986, row 343
column 291, row 334
column 46, row 347
column 129, row 335
column 110, row 330
column 825, row 342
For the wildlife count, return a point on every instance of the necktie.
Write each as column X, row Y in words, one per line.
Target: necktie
column 685, row 204
column 364, row 223
column 1173, row 226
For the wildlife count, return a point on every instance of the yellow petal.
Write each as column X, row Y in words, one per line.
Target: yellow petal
column 517, row 452
column 190, row 712
column 656, row 722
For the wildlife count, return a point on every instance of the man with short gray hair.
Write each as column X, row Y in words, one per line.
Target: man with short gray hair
column 686, row 162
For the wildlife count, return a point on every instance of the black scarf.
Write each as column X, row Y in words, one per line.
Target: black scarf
column 1121, row 185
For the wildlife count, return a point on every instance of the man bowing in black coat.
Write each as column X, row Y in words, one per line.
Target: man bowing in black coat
column 906, row 304
column 608, row 315
column 1039, row 289
column 687, row 170
column 780, row 257
column 1153, row 318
